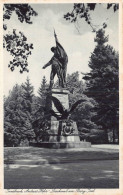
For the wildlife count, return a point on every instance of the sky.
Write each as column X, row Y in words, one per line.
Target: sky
column 77, row 40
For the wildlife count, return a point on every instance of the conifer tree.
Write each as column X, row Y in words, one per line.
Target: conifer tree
column 18, row 115
column 43, row 90
column 14, row 117
column 28, row 95
column 102, row 84
column 38, row 109
column 83, row 114
column 28, row 101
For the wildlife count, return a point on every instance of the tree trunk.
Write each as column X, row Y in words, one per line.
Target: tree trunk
column 106, row 136
column 113, row 135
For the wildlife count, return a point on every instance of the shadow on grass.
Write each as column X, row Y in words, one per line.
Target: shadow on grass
column 37, row 168
column 39, row 156
column 96, row 174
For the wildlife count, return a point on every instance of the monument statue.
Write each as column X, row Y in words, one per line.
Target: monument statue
column 61, row 131
column 59, row 64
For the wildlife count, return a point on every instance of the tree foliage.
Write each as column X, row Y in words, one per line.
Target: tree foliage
column 84, row 113
column 16, row 43
column 40, row 123
column 24, row 12
column 17, row 117
column 14, row 117
column 83, row 11
column 103, row 83
column 28, row 99
column 28, row 95
column 43, row 90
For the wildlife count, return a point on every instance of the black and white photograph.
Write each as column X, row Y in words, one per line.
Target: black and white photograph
column 61, row 96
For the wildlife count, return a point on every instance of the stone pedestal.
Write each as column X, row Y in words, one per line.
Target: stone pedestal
column 61, row 135
column 55, row 136
column 62, row 96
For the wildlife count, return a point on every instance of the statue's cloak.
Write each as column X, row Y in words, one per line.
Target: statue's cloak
column 62, row 56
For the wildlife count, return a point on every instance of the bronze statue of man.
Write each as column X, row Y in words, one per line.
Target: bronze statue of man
column 59, row 64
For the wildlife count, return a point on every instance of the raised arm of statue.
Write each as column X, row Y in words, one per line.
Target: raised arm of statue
column 60, row 50
column 58, row 45
column 56, row 39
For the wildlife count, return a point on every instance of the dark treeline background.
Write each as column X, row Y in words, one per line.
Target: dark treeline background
column 97, row 118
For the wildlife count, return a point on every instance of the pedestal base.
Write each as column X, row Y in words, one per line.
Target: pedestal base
column 56, row 136
column 63, row 133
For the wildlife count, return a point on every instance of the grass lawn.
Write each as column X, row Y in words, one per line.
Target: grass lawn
column 37, row 168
